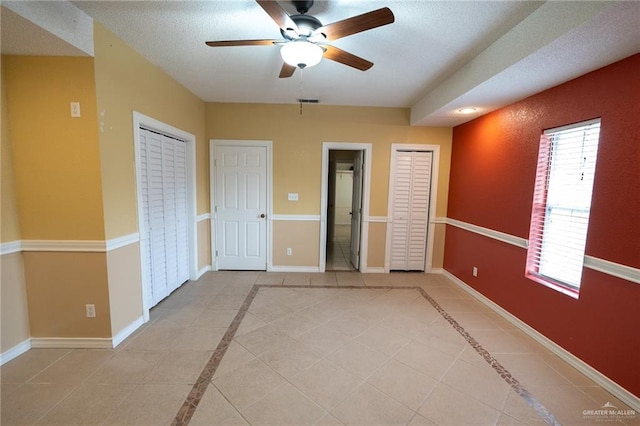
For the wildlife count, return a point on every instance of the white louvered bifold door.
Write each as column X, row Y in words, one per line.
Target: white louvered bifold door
column 164, row 238
column 410, row 210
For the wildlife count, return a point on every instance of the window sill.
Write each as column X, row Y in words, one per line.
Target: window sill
column 568, row 291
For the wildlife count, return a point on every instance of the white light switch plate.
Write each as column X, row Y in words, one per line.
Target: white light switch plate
column 293, row 196
column 75, row 109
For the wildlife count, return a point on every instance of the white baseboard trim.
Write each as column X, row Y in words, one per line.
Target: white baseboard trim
column 72, row 342
column 127, row 331
column 436, row 271
column 294, row 269
column 203, row 271
column 15, row 351
column 375, row 270
column 612, row 387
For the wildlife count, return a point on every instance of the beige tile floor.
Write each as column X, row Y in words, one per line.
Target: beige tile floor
column 319, row 349
column 338, row 249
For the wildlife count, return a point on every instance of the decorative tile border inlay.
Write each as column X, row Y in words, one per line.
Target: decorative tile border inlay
column 188, row 408
column 532, row 401
column 197, row 392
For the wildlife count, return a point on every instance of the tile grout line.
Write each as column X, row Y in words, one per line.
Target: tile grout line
column 76, row 385
column 188, row 408
column 416, row 412
column 529, row 399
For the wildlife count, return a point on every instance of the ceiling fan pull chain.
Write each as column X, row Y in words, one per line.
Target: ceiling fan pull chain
column 301, row 87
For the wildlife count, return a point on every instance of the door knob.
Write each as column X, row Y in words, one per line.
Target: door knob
column 262, row 216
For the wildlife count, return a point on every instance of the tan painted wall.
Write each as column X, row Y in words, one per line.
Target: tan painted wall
column 9, row 219
column 127, row 82
column 15, row 311
column 301, row 237
column 59, row 285
column 297, row 155
column 125, row 292
column 438, row 241
column 55, row 157
column 55, row 161
column 204, row 243
column 297, row 145
column 377, row 241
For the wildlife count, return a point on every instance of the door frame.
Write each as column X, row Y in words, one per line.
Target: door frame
column 213, row 143
column 356, row 204
column 433, row 196
column 143, row 121
column 366, row 185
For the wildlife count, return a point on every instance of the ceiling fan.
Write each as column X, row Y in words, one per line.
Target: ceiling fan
column 305, row 37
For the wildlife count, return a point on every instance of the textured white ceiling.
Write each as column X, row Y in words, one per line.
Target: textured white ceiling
column 435, row 58
column 20, row 36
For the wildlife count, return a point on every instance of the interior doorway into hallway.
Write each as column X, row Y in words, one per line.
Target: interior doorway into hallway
column 344, row 209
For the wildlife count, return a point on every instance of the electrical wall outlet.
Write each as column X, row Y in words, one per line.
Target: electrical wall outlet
column 289, row 251
column 475, row 271
column 91, row 310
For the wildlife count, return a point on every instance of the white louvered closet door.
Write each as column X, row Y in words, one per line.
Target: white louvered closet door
column 164, row 236
column 410, row 210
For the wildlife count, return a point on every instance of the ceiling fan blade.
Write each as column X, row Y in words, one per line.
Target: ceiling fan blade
column 349, row 59
column 357, row 24
column 287, row 70
column 278, row 14
column 242, row 43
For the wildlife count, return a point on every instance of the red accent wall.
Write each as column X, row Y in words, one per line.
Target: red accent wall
column 493, row 168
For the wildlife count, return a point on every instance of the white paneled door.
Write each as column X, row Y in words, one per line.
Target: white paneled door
column 241, row 207
column 356, row 209
column 164, row 231
column 410, row 210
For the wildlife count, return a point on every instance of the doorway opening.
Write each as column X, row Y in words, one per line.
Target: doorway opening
column 340, row 208
column 345, row 200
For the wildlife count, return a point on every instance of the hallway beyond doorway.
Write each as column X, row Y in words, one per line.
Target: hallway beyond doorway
column 338, row 250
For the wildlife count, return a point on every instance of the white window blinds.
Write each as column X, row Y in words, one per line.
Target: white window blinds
column 561, row 204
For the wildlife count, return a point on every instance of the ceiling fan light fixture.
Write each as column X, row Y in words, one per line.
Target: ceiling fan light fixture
column 301, row 53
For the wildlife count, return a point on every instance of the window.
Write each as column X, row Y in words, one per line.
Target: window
column 561, row 205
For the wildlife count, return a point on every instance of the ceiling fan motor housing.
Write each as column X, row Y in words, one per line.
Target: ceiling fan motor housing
column 306, row 25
